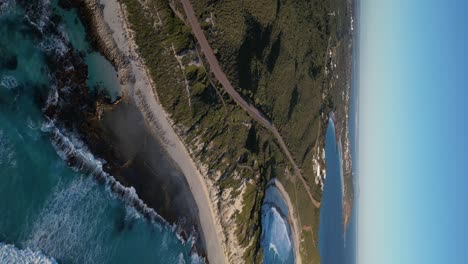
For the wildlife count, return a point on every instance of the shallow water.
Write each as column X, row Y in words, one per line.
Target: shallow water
column 101, row 73
column 48, row 210
column 276, row 238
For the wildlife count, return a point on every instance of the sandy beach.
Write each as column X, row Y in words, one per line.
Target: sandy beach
column 141, row 91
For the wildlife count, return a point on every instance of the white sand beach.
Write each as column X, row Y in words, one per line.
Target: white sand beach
column 142, row 91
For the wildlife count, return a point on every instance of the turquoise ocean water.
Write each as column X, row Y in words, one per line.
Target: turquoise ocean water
column 48, row 211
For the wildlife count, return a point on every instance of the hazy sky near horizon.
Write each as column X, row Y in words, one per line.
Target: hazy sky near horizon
column 413, row 146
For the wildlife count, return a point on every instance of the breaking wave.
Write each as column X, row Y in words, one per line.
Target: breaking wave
column 276, row 233
column 76, row 206
column 6, row 6
column 54, row 44
column 194, row 259
column 74, row 151
column 39, row 14
column 279, row 234
column 8, row 82
column 10, row 254
column 69, row 221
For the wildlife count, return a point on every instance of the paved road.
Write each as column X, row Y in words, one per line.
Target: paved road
column 249, row 108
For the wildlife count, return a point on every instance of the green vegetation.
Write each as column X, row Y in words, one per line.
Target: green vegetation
column 219, row 132
column 275, row 52
column 252, row 197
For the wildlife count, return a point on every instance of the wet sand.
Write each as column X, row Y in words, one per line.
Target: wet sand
column 140, row 160
column 119, row 134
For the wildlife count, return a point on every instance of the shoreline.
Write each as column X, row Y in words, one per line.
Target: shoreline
column 140, row 89
column 292, row 218
column 346, row 205
column 339, row 147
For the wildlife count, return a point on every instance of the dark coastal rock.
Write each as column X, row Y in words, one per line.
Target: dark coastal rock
column 156, row 180
column 68, row 4
column 116, row 132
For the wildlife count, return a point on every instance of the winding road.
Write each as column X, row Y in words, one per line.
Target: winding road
column 251, row 110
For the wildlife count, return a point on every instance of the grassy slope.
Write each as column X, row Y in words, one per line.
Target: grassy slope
column 274, row 51
column 220, row 134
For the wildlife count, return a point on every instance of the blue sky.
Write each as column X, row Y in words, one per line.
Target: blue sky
column 413, row 153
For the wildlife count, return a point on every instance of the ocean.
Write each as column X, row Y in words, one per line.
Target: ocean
column 50, row 212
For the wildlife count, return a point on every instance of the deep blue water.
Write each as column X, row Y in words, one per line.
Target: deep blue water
column 276, row 238
column 336, row 246
column 49, row 211
column 331, row 231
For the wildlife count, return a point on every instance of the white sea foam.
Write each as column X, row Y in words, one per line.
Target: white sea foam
column 8, row 82
column 43, row 10
column 33, row 130
column 85, row 162
column 181, row 259
column 31, row 124
column 6, row 6
column 278, row 235
column 272, row 246
column 196, row 259
column 54, row 44
column 131, row 213
column 10, row 254
column 71, row 219
column 71, row 148
column 52, row 97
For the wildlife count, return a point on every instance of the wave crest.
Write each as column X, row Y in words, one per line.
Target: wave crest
column 9, row 82
column 7, row 6
column 73, row 150
column 11, row 254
